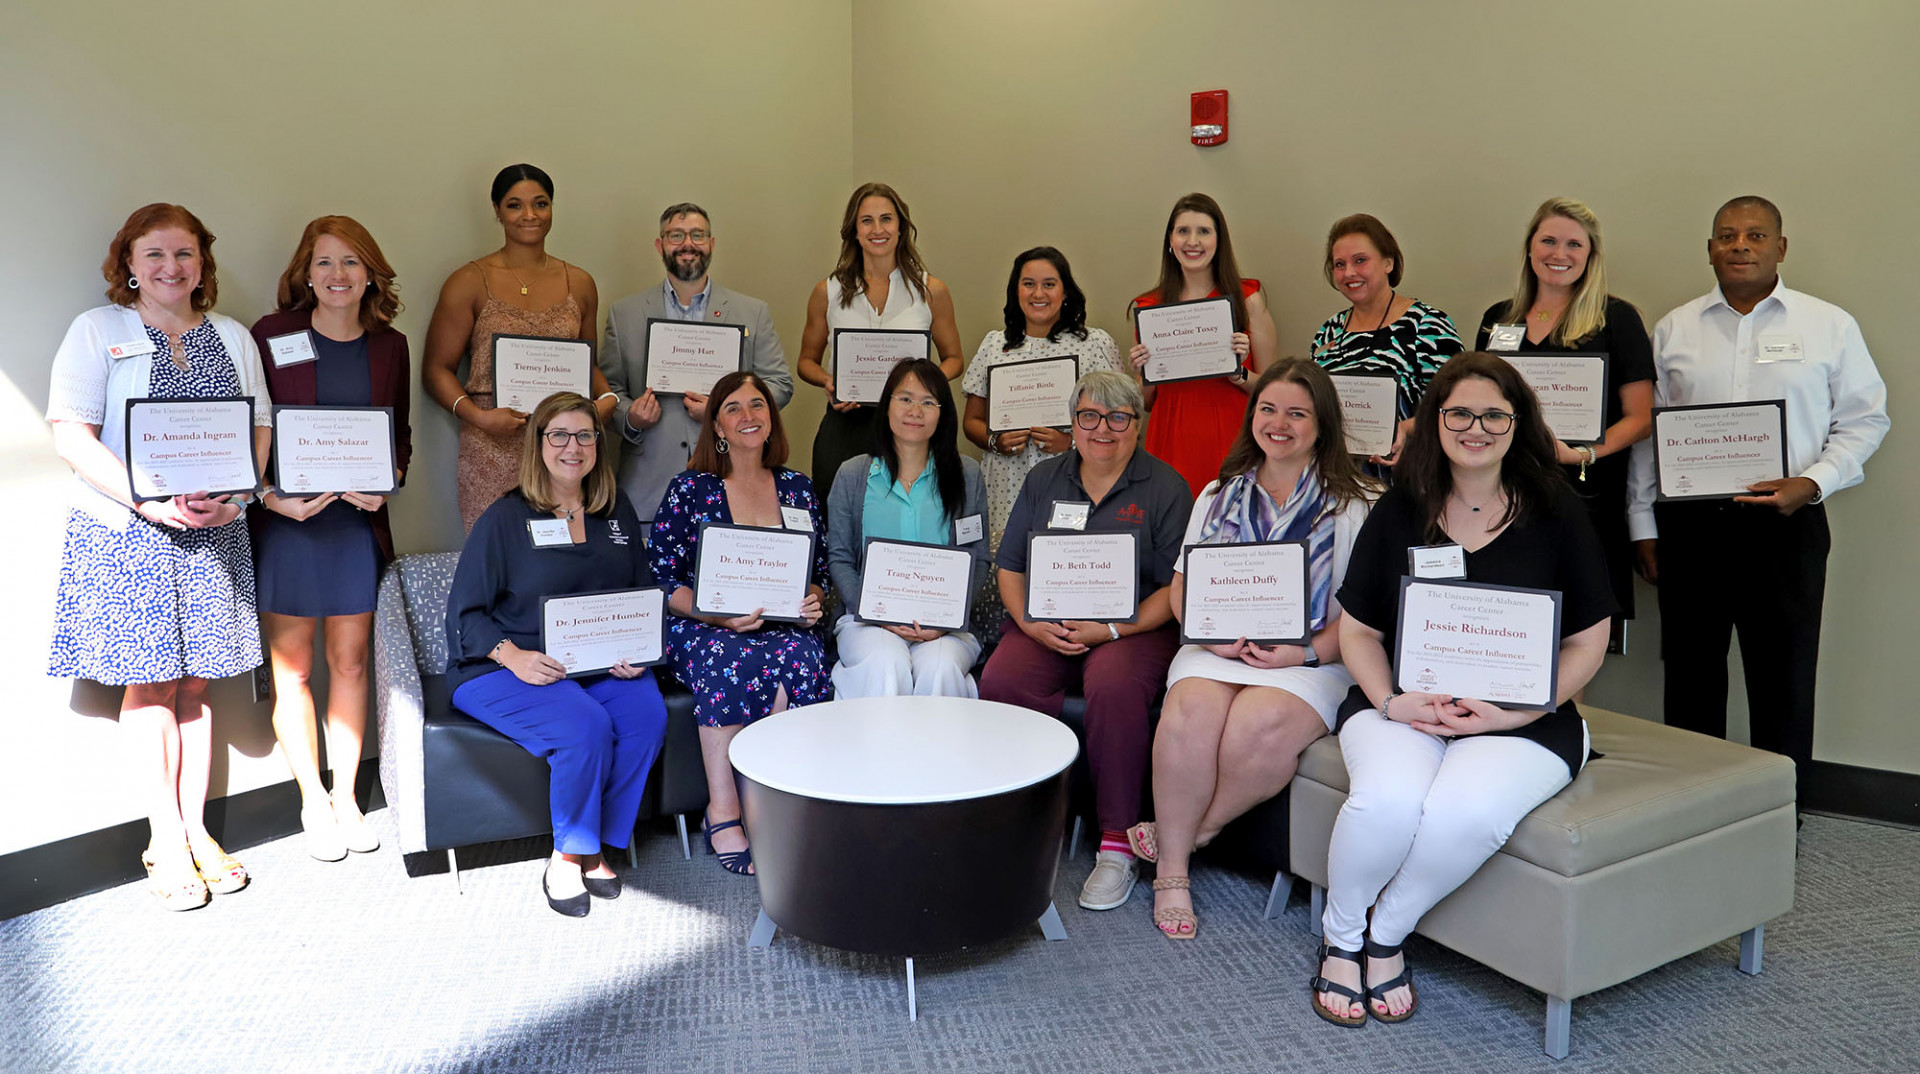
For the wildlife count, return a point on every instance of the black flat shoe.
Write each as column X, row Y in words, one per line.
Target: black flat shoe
column 601, row 887
column 577, row 906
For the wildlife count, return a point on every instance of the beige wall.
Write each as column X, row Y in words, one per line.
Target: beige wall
column 262, row 116
column 1007, row 124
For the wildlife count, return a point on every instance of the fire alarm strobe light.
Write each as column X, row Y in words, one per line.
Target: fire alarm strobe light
column 1210, row 117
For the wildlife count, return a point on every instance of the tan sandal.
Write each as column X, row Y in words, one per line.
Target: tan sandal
column 1175, row 915
column 221, row 871
column 1143, row 838
column 178, row 887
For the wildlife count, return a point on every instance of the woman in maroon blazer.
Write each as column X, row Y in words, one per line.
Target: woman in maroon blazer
column 318, row 557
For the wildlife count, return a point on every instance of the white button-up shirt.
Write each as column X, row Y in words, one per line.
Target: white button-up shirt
column 1708, row 352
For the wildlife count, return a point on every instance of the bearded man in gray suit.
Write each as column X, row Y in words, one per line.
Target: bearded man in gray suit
column 660, row 432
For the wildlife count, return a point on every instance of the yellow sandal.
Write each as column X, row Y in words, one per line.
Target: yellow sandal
column 178, row 887
column 222, row 872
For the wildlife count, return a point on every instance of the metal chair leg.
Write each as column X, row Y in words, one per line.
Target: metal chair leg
column 1277, row 897
column 1753, row 944
column 1316, row 907
column 453, row 866
column 1559, row 1026
column 686, row 848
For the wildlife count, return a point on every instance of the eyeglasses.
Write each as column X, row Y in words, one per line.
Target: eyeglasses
column 1460, row 419
column 559, row 437
column 1117, row 420
column 675, row 238
column 910, row 403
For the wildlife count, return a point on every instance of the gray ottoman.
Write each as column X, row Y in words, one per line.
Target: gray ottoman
column 1669, row 843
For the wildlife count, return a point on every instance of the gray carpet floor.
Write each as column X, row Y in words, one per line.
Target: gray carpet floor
column 355, row 967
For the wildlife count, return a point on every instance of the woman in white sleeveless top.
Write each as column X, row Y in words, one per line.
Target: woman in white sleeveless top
column 878, row 283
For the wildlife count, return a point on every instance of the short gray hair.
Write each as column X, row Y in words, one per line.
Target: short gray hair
column 682, row 209
column 1104, row 387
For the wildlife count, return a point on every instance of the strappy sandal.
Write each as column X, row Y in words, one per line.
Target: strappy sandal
column 1378, row 993
column 738, row 862
column 222, row 872
column 1144, row 839
column 1318, row 984
column 178, row 887
column 1175, row 915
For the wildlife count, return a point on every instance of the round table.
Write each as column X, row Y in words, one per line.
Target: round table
column 905, row 825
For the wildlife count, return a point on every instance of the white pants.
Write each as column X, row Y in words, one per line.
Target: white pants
column 1422, row 815
column 876, row 662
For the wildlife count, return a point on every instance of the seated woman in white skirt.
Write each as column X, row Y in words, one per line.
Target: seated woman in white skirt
column 914, row 485
column 1237, row 716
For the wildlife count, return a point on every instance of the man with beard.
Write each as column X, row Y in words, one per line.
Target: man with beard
column 660, row 432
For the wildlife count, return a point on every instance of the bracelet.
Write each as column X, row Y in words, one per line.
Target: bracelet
column 1387, row 704
column 606, row 395
column 493, row 654
column 993, row 443
column 455, row 408
column 1113, row 630
column 1588, row 457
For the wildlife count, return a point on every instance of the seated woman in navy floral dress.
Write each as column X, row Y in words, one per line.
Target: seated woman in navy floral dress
column 739, row 668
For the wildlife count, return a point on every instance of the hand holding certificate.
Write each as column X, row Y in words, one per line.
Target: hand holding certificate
column 1572, row 389
column 1089, row 576
column 333, row 449
column 1471, row 640
column 745, row 569
column 864, row 357
column 1031, row 395
column 1256, row 591
column 181, row 446
column 686, row 356
column 1369, row 409
column 905, row 583
column 1187, row 340
column 588, row 632
column 527, row 369
column 1716, row 451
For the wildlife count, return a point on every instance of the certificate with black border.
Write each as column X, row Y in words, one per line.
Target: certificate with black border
column 1738, row 444
column 307, row 450
column 692, row 356
column 863, row 358
column 1494, row 643
column 530, row 368
column 737, row 589
column 1100, row 575
column 179, row 446
column 1257, row 590
column 1369, row 410
column 1572, row 389
column 591, row 632
column 904, row 582
column 1191, row 340
column 1035, row 393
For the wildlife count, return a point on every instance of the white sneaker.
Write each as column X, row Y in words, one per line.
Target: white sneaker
column 1111, row 881
column 323, row 833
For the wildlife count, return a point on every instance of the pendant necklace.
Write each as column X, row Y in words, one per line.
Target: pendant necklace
column 516, row 275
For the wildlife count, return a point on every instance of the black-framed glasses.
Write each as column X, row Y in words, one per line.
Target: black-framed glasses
column 559, row 437
column 1460, row 419
column 1117, row 420
column 676, row 237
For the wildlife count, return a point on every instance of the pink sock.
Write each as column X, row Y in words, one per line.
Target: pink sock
column 1115, row 841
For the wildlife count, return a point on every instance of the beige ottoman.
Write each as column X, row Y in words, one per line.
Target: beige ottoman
column 1669, row 843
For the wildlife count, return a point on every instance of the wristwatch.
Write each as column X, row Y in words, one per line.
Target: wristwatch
column 1312, row 659
column 1113, row 630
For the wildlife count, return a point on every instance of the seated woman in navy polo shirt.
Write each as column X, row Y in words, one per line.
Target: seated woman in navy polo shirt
column 1106, row 483
column 599, row 733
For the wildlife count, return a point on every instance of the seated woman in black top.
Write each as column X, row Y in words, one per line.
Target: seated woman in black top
column 599, row 733
column 1563, row 303
column 1438, row 783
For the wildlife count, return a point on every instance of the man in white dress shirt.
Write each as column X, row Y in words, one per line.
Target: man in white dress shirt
column 1755, row 563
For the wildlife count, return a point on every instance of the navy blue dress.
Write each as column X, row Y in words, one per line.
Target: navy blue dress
column 330, row 563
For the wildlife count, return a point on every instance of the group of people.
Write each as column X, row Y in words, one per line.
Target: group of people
column 161, row 595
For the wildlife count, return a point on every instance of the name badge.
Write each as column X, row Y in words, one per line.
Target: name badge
column 1506, row 337
column 549, row 532
column 797, row 518
column 1438, row 561
column 294, row 348
column 131, row 348
column 1069, row 516
column 967, row 530
column 1778, row 348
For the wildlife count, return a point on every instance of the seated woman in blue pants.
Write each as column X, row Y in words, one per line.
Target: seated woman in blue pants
column 567, row 528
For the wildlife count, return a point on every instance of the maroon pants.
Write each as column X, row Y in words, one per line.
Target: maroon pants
column 1120, row 680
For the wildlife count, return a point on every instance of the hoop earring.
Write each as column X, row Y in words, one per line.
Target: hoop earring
column 133, row 283
column 720, row 445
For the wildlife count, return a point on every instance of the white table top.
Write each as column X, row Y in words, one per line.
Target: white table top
column 903, row 750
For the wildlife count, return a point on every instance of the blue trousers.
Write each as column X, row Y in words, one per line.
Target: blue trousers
column 599, row 736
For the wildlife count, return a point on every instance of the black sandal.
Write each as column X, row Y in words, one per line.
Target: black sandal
column 738, row 862
column 1318, row 984
column 1403, row 978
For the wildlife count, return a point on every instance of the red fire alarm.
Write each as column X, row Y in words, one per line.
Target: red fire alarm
column 1210, row 117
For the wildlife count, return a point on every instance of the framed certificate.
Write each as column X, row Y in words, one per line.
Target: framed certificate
column 1715, row 451
column 1187, row 340
column 1257, row 591
column 527, row 369
column 177, row 446
column 1572, row 389
column 1033, row 394
column 863, row 358
column 588, row 632
column 334, row 449
column 1492, row 643
column 1369, row 410
column 907, row 582
column 690, row 356
column 740, row 569
column 1091, row 576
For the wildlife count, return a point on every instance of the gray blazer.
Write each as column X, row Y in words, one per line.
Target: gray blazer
column 654, row 456
column 846, row 507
